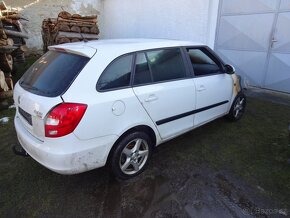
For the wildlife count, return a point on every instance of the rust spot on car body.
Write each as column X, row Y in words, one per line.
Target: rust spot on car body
column 237, row 87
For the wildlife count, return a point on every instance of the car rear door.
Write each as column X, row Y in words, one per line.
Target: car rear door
column 165, row 90
column 213, row 86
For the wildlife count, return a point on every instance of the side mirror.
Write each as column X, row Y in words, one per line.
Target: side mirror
column 229, row 69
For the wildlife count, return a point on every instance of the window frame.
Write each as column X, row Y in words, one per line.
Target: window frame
column 134, row 69
column 188, row 71
column 111, row 63
column 210, row 53
column 184, row 61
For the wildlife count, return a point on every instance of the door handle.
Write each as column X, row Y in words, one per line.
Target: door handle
column 201, row 88
column 151, row 98
column 273, row 41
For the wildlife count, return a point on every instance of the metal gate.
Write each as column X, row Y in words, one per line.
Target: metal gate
column 255, row 37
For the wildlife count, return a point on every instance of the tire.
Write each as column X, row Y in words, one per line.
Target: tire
column 131, row 155
column 238, row 108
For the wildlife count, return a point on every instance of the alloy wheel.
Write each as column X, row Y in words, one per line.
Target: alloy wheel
column 239, row 107
column 134, row 156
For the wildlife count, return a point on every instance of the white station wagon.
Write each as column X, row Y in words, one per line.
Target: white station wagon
column 84, row 105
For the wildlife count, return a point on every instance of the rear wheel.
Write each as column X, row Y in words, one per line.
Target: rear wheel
column 131, row 155
column 238, row 107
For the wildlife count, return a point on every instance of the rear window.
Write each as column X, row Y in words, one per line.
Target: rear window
column 53, row 73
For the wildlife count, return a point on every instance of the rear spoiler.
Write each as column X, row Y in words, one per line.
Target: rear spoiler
column 81, row 50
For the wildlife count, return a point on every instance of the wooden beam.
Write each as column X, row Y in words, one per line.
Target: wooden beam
column 13, row 17
column 7, row 49
column 15, row 33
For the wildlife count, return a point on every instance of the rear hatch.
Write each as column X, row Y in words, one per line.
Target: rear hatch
column 41, row 87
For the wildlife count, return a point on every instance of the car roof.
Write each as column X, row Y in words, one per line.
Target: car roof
column 121, row 46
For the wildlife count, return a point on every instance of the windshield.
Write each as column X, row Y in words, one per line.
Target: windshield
column 53, row 73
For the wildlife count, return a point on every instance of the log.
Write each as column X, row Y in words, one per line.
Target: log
column 3, row 85
column 7, row 94
column 23, row 48
column 75, row 29
column 7, row 49
column 46, row 23
column 75, row 40
column 13, row 17
column 3, row 6
column 7, row 13
column 3, row 42
column 10, row 42
column 64, row 14
column 85, row 29
column 62, row 27
column 62, row 40
column 6, row 62
column 4, row 19
column 90, row 20
column 67, row 15
column 20, row 27
column 9, row 83
column 78, row 20
column 62, row 23
column 94, row 30
column 81, row 24
column 76, row 16
column 17, row 34
column 3, row 34
column 77, row 35
column 92, row 17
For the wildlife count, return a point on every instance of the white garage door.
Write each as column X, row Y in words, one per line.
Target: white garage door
column 255, row 37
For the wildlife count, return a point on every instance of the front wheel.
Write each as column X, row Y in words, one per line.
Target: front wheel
column 238, row 107
column 130, row 156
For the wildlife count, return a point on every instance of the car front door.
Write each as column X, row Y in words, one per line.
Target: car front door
column 213, row 86
column 164, row 88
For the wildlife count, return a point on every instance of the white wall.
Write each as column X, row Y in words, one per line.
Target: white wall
column 176, row 19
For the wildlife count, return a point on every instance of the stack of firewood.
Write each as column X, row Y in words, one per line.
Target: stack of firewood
column 68, row 28
column 12, row 46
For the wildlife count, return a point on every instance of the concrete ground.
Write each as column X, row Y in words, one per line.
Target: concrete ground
column 269, row 95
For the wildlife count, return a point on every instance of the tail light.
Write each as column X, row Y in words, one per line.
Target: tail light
column 63, row 119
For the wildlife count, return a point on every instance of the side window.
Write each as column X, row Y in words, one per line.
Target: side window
column 142, row 71
column 117, row 74
column 202, row 63
column 166, row 64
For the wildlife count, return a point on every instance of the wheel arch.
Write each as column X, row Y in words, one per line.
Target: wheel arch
column 229, row 114
column 141, row 128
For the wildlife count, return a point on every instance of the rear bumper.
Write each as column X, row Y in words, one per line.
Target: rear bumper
column 66, row 155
